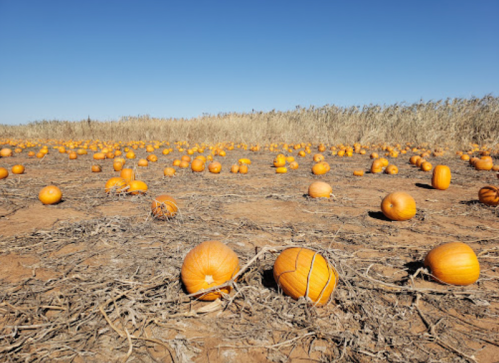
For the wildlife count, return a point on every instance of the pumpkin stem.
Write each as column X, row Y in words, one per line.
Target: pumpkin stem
column 209, row 279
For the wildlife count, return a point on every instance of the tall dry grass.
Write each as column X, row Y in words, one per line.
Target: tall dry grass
column 452, row 122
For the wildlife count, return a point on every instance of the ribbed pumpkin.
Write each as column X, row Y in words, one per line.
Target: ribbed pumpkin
column 441, row 177
column 164, row 207
column 301, row 272
column 391, row 169
column 168, row 171
column 320, row 168
column 116, row 184
column 215, row 167
column 207, row 265
column 137, row 187
column 398, row 206
column 320, row 189
column 377, row 166
column 489, row 195
column 50, row 195
column 197, row 165
column 453, row 263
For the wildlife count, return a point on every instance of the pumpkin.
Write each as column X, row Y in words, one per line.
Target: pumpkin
column 164, row 207
column 143, row 163
column 99, row 156
column 96, row 168
column 197, row 165
column 234, row 169
column 215, row 167
column 244, row 161
column 73, row 155
column 318, row 157
column 18, row 169
column 398, row 206
column 377, row 166
column 127, row 174
column 391, row 169
column 465, row 157
column 320, row 189
column 293, row 165
column 185, row 158
column 183, row 164
column 50, row 195
column 130, row 155
column 5, row 152
column 426, row 166
column 176, row 162
column 420, row 162
column 374, row 156
column 320, row 168
column 137, row 187
column 31, row 154
column 358, row 172
column 489, row 195
column 4, row 173
column 279, row 162
column 281, row 170
column 115, row 184
column 441, row 177
column 117, row 165
column 302, row 153
column 453, row 263
column 413, row 160
column 207, row 265
column 243, row 169
column 495, row 167
column 484, row 164
column 152, row 158
column 301, row 272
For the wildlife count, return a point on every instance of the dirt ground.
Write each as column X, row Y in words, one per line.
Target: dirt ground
column 96, row 279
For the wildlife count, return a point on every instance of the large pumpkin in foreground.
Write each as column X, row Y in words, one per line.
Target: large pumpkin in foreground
column 398, row 206
column 453, row 263
column 207, row 265
column 301, row 272
column 489, row 195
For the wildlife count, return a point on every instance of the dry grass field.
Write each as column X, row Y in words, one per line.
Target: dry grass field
column 95, row 278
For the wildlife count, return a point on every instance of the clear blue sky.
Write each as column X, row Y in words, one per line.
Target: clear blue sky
column 71, row 59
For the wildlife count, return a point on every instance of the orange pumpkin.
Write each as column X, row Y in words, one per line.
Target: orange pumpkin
column 398, row 206
column 293, row 165
column 50, row 195
column 281, row 170
column 4, row 173
column 184, row 164
column 489, row 195
column 484, row 164
column 137, row 187
column 215, row 167
column 279, row 162
column 207, row 265
column 143, row 163
column 5, row 152
column 164, row 207
column 197, row 165
column 374, row 156
column 127, row 174
column 73, row 155
column 441, row 177
column 115, row 184
column 377, row 166
column 117, row 165
column 391, row 169
column 169, row 172
column 18, row 169
column 453, row 263
column 243, row 169
column 320, row 189
column 96, row 168
column 301, row 272
column 99, row 156
column 234, row 168
column 320, row 168
column 426, row 166
column 358, row 172
column 318, row 157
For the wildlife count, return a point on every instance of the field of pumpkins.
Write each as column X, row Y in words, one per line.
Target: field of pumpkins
column 156, row 251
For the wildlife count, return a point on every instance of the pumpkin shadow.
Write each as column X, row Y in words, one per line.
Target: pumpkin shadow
column 268, row 279
column 378, row 215
column 470, row 202
column 424, row 186
column 411, row 268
